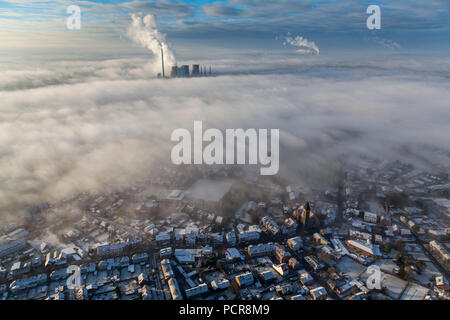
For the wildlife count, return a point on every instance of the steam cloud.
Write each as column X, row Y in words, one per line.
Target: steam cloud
column 143, row 32
column 305, row 46
column 108, row 126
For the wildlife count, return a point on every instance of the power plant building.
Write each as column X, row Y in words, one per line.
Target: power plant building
column 195, row 70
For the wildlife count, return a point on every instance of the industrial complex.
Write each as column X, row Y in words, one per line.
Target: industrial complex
column 184, row 71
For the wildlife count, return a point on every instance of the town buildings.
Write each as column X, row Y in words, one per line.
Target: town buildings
column 188, row 250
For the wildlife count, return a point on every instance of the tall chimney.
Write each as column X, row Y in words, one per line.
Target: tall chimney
column 162, row 62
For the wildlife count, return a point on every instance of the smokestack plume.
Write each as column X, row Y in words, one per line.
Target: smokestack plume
column 143, row 31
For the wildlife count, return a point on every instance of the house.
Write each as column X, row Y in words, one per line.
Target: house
column 365, row 248
column 284, row 289
column 261, row 250
column 220, row 284
column 320, row 239
column 314, row 263
column 305, row 278
column 244, row 279
column 267, row 276
column 295, row 243
column 282, row 268
column 270, row 225
column 370, row 217
column 139, row 257
column 163, row 238
column 442, row 283
column 196, row 291
column 281, row 253
column 233, row 254
column 165, row 253
column 293, row 263
column 174, row 289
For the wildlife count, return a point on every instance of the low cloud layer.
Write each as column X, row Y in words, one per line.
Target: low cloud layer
column 108, row 124
column 304, row 45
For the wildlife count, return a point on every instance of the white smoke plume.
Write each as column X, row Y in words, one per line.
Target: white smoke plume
column 305, row 46
column 143, row 32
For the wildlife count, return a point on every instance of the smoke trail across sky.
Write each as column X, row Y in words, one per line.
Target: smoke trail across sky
column 143, row 32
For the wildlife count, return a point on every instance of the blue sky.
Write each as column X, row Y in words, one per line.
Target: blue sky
column 335, row 25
